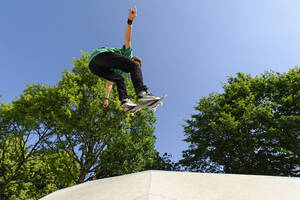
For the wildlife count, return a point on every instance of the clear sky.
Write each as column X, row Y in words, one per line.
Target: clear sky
column 189, row 48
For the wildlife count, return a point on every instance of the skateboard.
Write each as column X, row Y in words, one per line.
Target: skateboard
column 154, row 104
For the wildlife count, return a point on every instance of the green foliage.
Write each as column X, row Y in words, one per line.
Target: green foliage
column 124, row 144
column 25, row 125
column 251, row 128
column 41, row 174
column 164, row 163
column 57, row 136
column 131, row 150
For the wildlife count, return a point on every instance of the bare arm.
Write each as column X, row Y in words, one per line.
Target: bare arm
column 131, row 16
column 109, row 85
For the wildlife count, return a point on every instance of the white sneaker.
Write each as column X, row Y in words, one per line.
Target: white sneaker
column 127, row 103
column 146, row 96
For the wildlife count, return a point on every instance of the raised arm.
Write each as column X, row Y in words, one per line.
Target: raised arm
column 131, row 16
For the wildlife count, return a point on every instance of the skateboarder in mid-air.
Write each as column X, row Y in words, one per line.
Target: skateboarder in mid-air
column 111, row 63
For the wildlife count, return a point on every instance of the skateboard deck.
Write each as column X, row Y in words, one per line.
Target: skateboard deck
column 154, row 104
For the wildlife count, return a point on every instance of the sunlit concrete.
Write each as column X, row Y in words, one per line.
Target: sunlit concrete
column 164, row 185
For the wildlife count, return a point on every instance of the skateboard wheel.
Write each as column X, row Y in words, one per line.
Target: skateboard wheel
column 160, row 104
column 131, row 114
column 154, row 109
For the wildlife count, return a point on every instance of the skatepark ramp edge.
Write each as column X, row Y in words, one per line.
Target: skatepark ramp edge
column 165, row 185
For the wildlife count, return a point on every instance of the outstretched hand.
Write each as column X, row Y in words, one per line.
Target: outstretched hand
column 105, row 104
column 132, row 13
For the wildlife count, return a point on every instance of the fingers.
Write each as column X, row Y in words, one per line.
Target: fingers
column 105, row 104
column 133, row 11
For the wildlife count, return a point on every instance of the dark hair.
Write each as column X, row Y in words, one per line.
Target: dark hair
column 138, row 60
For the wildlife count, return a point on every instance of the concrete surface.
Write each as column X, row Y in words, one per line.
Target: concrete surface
column 164, row 185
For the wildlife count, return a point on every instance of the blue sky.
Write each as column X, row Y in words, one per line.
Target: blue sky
column 189, row 48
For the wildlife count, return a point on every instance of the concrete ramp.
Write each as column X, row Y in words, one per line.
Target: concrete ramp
column 164, row 185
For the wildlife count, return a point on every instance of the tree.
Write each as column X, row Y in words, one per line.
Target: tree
column 251, row 128
column 67, row 123
column 25, row 125
column 20, row 138
column 103, row 141
column 164, row 162
column 41, row 174
column 61, row 135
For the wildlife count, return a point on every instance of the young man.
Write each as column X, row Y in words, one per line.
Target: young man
column 111, row 63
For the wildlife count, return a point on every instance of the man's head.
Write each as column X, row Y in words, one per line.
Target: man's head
column 137, row 60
